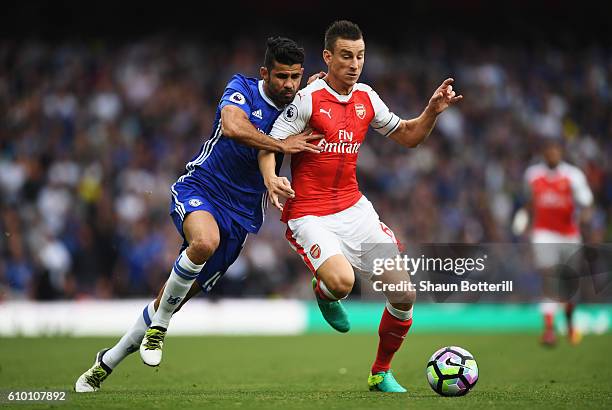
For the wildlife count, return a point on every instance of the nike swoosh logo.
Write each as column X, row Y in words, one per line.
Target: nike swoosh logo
column 449, row 363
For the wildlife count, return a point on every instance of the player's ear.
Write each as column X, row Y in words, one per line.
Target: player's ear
column 263, row 72
column 327, row 56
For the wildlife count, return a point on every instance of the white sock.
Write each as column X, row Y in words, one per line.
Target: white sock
column 328, row 294
column 400, row 314
column 181, row 278
column 130, row 341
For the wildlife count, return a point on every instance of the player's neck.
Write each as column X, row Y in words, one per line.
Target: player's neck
column 268, row 94
column 337, row 86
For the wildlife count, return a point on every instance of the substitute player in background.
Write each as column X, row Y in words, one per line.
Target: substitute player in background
column 218, row 202
column 556, row 190
column 333, row 227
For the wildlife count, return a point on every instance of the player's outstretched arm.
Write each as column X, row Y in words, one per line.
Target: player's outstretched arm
column 411, row 133
column 235, row 124
column 277, row 186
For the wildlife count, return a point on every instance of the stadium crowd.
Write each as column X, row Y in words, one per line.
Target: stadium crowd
column 93, row 135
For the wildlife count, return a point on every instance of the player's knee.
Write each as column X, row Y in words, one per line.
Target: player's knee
column 202, row 248
column 405, row 300
column 410, row 297
column 341, row 285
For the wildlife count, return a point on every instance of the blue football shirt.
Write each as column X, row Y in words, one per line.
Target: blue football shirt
column 227, row 170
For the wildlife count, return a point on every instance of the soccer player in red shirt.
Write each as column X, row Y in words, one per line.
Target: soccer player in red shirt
column 556, row 190
column 332, row 225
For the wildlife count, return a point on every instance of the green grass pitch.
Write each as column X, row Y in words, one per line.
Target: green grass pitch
column 312, row 371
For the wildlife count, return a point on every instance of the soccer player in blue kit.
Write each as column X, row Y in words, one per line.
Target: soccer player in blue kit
column 218, row 201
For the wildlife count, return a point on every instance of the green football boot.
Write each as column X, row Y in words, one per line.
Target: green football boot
column 384, row 382
column 333, row 312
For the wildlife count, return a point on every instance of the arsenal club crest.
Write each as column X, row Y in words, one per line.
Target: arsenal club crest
column 315, row 251
column 360, row 110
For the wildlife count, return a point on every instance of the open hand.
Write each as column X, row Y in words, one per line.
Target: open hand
column 444, row 97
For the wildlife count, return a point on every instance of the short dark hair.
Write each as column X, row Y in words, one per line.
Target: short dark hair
column 341, row 29
column 284, row 51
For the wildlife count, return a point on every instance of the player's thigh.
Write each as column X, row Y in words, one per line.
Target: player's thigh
column 196, row 218
column 337, row 274
column 201, row 231
column 365, row 240
column 370, row 248
column 232, row 242
column 312, row 239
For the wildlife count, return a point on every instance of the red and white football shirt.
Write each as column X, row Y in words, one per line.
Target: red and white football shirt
column 326, row 183
column 555, row 194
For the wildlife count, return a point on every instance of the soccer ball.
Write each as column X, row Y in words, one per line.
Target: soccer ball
column 452, row 371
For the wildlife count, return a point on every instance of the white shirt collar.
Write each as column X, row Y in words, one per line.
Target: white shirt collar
column 265, row 97
column 340, row 97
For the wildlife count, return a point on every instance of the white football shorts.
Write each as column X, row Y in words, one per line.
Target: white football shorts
column 552, row 248
column 356, row 232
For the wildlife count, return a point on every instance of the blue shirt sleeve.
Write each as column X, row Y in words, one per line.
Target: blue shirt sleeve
column 238, row 93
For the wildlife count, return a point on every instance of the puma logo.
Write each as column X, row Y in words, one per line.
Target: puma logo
column 328, row 112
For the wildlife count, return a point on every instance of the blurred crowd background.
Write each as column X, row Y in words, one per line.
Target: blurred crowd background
column 93, row 132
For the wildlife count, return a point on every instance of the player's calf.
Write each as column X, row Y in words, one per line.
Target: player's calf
column 176, row 290
column 404, row 297
column 394, row 326
column 402, row 301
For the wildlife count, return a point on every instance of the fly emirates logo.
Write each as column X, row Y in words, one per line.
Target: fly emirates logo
column 345, row 144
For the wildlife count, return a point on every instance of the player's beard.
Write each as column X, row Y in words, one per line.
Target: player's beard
column 285, row 99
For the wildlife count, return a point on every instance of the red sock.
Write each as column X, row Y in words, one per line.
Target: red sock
column 548, row 320
column 392, row 332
